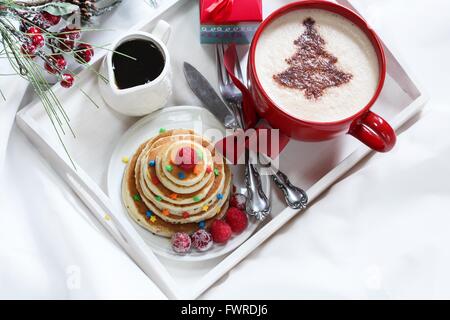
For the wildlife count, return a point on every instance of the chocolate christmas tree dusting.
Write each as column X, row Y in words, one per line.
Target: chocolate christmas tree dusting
column 312, row 69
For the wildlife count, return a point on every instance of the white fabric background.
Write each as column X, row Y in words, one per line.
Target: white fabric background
column 382, row 232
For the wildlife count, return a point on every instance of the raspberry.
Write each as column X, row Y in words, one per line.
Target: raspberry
column 237, row 220
column 220, row 231
column 238, row 200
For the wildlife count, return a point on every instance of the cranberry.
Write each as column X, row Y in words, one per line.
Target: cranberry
column 50, row 18
column 67, row 80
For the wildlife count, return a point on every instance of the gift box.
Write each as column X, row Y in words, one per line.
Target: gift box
column 229, row 21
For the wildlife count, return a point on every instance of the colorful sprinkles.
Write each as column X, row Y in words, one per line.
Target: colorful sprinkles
column 216, row 172
column 166, row 212
column 152, row 163
column 148, row 214
column 208, row 169
column 137, row 197
column 197, row 170
column 158, row 198
column 186, row 215
column 202, row 224
column 196, row 198
column 205, row 208
column 181, row 175
column 125, row 159
column 174, row 196
column 219, row 196
column 169, row 168
column 162, row 130
column 153, row 219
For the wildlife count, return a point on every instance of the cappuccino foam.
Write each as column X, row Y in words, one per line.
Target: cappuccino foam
column 317, row 65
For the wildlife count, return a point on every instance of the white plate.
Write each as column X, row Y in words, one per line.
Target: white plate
column 183, row 117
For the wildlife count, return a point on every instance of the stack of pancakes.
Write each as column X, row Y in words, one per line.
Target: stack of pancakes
column 163, row 197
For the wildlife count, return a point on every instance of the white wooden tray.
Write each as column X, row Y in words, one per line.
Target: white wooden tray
column 322, row 163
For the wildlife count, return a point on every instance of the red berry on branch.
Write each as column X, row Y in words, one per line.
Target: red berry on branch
column 71, row 32
column 67, row 38
column 87, row 47
column 38, row 40
column 28, row 50
column 50, row 18
column 34, row 31
column 67, row 80
column 84, row 53
column 56, row 65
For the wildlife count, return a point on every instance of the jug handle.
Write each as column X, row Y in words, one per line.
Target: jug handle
column 162, row 31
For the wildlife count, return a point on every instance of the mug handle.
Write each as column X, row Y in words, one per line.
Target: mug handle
column 374, row 131
column 162, row 31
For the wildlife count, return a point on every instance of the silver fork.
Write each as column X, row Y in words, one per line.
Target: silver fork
column 295, row 197
column 258, row 204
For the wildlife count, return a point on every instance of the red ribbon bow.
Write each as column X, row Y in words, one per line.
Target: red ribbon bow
column 219, row 10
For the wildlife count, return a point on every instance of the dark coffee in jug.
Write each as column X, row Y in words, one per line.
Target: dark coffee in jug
column 137, row 62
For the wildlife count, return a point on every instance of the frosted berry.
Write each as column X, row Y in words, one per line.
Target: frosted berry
column 202, row 240
column 67, row 80
column 220, row 231
column 238, row 200
column 181, row 242
column 237, row 220
column 50, row 18
column 186, row 158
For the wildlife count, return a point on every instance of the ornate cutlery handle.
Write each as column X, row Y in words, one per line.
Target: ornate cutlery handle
column 257, row 204
column 295, row 197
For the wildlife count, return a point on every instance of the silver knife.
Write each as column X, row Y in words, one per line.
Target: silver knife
column 208, row 96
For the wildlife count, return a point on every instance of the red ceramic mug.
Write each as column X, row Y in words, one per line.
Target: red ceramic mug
column 364, row 125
